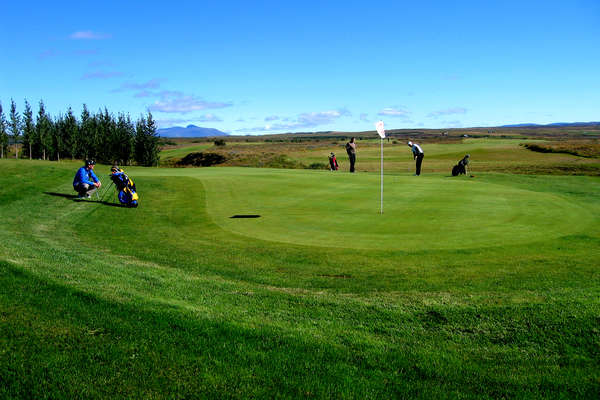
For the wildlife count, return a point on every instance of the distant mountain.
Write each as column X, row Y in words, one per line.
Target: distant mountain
column 556, row 124
column 190, row 131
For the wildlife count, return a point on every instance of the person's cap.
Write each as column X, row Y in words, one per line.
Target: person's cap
column 90, row 162
column 409, row 143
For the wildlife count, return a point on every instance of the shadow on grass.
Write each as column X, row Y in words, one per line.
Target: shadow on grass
column 158, row 350
column 74, row 197
column 105, row 347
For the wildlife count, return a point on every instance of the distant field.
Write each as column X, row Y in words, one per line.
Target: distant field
column 484, row 287
column 487, row 155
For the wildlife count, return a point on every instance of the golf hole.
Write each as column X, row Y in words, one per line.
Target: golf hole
column 245, row 216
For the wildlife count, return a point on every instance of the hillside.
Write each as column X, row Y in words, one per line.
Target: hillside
column 189, row 132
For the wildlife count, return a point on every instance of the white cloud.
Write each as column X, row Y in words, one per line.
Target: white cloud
column 178, row 102
column 452, row 124
column 102, row 75
column 89, row 35
column 151, row 84
column 448, row 111
column 304, row 120
column 143, row 93
column 395, row 112
column 170, row 122
column 209, row 118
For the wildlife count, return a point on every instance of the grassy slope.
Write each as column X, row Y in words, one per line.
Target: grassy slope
column 161, row 301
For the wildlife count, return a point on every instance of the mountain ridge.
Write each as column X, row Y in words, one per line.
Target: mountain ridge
column 190, row 131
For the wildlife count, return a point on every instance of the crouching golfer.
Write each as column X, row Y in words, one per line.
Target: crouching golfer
column 417, row 155
column 86, row 181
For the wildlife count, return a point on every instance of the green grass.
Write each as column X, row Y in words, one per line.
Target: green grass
column 177, row 153
column 483, row 287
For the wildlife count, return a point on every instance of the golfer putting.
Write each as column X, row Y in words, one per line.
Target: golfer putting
column 86, row 182
column 417, row 155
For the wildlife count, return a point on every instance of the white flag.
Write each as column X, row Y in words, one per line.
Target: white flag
column 380, row 129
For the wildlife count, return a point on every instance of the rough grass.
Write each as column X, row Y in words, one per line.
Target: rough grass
column 487, row 155
column 167, row 301
column 581, row 148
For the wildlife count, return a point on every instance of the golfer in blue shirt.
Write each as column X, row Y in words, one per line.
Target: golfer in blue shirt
column 86, row 181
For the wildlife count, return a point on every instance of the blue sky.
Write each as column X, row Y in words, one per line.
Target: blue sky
column 274, row 66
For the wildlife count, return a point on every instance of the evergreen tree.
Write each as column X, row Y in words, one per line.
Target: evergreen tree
column 139, row 142
column 126, row 136
column 15, row 126
column 43, row 136
column 28, row 129
column 58, row 137
column 3, row 134
column 71, row 133
column 86, row 134
column 146, row 142
column 107, row 143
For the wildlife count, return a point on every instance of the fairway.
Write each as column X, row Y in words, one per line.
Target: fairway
column 480, row 287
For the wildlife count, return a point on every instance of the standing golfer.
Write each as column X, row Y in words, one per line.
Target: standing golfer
column 86, row 181
column 417, row 155
column 351, row 150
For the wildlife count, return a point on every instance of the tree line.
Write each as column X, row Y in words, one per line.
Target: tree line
column 101, row 136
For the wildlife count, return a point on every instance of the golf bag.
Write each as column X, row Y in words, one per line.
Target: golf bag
column 126, row 188
column 461, row 167
column 333, row 165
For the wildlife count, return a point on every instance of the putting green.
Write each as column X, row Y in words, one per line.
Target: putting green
column 343, row 210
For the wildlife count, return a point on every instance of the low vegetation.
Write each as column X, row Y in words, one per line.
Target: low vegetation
column 581, row 148
column 201, row 160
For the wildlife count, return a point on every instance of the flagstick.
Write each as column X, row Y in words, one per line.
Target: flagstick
column 381, row 212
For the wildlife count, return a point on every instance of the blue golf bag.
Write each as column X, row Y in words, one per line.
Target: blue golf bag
column 124, row 184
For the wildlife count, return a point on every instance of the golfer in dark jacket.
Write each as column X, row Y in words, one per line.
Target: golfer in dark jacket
column 417, row 155
column 351, row 150
column 86, row 181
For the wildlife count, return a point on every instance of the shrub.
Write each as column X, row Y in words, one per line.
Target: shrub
column 201, row 160
column 220, row 142
column 318, row 165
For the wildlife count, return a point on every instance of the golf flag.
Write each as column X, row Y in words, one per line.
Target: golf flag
column 381, row 132
column 380, row 129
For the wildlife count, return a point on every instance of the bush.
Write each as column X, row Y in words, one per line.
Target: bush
column 282, row 161
column 201, row 160
column 318, row 165
column 220, row 142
